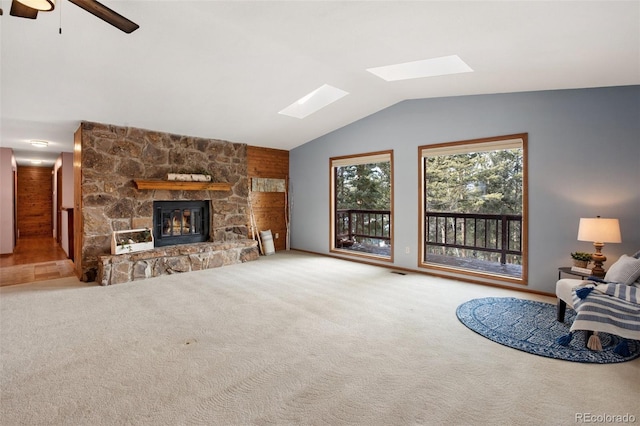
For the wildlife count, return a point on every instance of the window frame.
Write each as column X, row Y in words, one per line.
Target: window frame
column 460, row 147
column 363, row 158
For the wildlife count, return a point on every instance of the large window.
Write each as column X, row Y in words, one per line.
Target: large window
column 473, row 207
column 362, row 205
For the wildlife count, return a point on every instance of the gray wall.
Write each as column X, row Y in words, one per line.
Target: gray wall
column 584, row 160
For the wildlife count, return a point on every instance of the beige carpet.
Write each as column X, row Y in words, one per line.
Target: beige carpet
column 292, row 338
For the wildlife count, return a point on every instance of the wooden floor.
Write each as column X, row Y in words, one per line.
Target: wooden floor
column 34, row 259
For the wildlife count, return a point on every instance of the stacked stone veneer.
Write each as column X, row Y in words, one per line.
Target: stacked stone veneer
column 117, row 269
column 112, row 157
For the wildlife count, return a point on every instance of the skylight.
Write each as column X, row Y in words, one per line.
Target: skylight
column 314, row 101
column 444, row 65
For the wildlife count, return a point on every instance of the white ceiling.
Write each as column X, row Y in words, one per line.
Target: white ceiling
column 223, row 69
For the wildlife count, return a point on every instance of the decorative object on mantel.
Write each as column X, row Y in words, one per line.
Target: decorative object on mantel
column 181, row 186
column 581, row 259
column 189, row 177
column 131, row 240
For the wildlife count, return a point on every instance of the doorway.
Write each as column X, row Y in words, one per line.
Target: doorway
column 37, row 255
column 34, row 202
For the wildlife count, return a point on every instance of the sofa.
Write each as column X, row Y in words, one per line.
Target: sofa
column 610, row 305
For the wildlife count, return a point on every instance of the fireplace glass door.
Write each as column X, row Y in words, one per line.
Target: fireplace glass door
column 180, row 222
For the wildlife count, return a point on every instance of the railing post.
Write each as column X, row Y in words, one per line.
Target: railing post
column 505, row 241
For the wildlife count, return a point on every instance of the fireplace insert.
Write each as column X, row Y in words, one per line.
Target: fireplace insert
column 180, row 222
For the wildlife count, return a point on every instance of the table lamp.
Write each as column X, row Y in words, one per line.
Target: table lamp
column 599, row 231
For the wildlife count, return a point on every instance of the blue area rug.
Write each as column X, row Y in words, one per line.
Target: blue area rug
column 532, row 327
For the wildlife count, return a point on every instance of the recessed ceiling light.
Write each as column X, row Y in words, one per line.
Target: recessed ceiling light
column 444, row 65
column 314, row 101
column 36, row 161
column 39, row 143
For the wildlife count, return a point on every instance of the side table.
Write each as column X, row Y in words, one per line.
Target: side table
column 567, row 270
column 562, row 306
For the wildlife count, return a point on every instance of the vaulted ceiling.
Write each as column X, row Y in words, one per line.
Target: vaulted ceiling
column 224, row 69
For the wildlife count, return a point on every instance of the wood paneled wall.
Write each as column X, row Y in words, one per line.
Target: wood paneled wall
column 35, row 202
column 269, row 208
column 78, row 221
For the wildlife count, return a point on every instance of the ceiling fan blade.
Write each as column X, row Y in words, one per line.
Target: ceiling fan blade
column 110, row 16
column 20, row 10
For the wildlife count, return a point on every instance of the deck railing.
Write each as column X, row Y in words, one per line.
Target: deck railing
column 493, row 233
column 354, row 224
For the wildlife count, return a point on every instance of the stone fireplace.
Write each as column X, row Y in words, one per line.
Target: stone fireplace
column 113, row 158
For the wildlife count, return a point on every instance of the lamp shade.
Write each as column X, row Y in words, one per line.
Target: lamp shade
column 43, row 5
column 601, row 230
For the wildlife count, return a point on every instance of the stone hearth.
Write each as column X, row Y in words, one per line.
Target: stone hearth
column 122, row 268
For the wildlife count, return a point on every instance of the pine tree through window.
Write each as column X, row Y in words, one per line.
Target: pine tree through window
column 473, row 207
column 361, row 205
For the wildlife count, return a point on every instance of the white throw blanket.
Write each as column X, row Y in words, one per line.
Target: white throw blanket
column 611, row 308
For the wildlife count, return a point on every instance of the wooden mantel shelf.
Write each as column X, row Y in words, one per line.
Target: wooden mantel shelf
column 182, row 186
